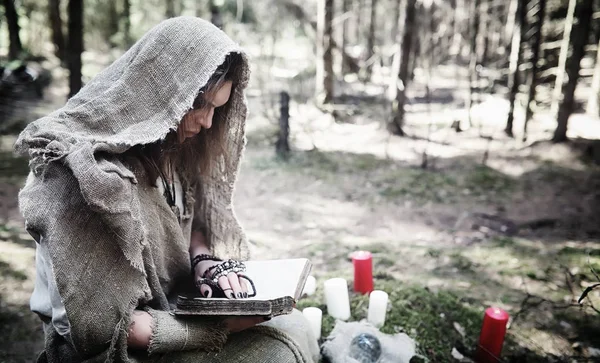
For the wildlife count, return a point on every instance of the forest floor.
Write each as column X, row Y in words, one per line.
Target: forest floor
column 484, row 221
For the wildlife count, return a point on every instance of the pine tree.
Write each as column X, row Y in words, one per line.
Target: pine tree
column 579, row 38
column 532, row 81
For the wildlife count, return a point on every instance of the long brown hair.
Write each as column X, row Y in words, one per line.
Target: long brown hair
column 196, row 154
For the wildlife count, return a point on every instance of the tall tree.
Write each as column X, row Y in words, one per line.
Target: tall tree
column 593, row 103
column 579, row 39
column 562, row 58
column 371, row 38
column 345, row 34
column 404, row 50
column 536, row 41
column 485, row 32
column 473, row 79
column 113, row 22
column 215, row 14
column 358, row 8
column 324, row 77
column 12, row 19
column 126, row 19
column 169, row 9
column 516, row 56
column 56, row 25
column 75, row 45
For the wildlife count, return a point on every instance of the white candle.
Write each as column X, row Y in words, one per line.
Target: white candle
column 314, row 317
column 336, row 297
column 310, row 286
column 377, row 308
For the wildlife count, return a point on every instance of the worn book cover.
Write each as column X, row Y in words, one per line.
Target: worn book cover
column 279, row 283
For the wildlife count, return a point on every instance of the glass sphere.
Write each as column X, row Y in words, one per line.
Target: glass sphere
column 365, row 348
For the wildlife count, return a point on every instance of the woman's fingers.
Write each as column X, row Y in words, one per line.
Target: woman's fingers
column 244, row 287
column 226, row 286
column 205, row 290
column 234, row 281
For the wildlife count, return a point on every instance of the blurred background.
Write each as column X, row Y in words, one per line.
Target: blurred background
column 457, row 140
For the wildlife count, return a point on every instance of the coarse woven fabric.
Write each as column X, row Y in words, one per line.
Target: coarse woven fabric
column 114, row 242
column 284, row 339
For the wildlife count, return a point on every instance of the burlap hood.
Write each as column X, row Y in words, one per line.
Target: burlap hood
column 138, row 100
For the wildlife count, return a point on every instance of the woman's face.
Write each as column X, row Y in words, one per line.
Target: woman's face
column 200, row 118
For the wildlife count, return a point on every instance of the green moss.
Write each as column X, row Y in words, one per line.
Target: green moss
column 426, row 316
column 484, row 180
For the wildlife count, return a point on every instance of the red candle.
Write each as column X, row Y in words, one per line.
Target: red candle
column 363, row 271
column 492, row 335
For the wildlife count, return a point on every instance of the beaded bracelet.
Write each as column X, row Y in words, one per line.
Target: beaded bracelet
column 203, row 257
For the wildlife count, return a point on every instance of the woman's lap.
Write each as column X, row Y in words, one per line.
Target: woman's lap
column 284, row 339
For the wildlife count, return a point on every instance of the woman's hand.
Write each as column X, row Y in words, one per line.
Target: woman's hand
column 233, row 286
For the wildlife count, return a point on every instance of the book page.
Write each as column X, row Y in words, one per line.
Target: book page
column 278, row 278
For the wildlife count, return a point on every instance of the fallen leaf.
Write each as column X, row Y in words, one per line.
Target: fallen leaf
column 456, row 354
column 459, row 328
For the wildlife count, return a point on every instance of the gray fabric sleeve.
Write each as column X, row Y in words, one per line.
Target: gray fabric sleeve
column 45, row 299
column 170, row 333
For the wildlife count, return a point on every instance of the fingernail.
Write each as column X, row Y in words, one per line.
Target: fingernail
column 240, row 295
column 206, row 293
column 231, row 295
column 245, row 294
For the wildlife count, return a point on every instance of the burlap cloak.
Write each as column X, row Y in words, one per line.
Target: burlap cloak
column 114, row 242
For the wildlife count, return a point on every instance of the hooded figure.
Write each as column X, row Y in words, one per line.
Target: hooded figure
column 108, row 241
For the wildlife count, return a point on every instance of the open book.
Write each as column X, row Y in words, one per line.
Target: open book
column 279, row 283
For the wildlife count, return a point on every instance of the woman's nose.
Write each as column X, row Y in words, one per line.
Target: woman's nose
column 206, row 121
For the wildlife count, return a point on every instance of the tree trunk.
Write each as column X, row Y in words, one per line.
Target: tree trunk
column 113, row 22
column 485, row 32
column 127, row 24
column 12, row 19
column 474, row 30
column 358, row 7
column 169, row 8
column 562, row 59
column 593, row 103
column 215, row 15
column 75, row 45
column 282, row 147
column 580, row 35
column 516, row 56
column 58, row 37
column 324, row 78
column 345, row 33
column 405, row 48
column 371, row 39
column 536, row 29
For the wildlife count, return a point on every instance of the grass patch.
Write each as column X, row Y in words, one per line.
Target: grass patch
column 426, row 316
column 483, row 180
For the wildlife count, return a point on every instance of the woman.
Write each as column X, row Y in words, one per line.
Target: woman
column 131, row 180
